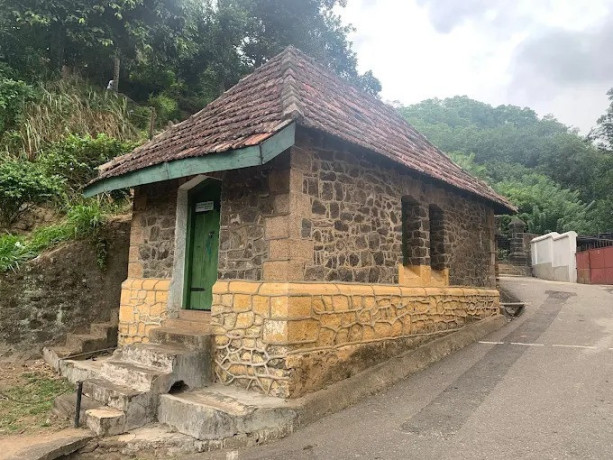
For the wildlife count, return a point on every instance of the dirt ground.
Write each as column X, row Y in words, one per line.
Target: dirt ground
column 27, row 391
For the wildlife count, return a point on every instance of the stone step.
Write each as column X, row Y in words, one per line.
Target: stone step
column 76, row 371
column 198, row 316
column 86, row 342
column 159, row 356
column 187, row 325
column 218, row 412
column 65, row 406
column 186, row 338
column 45, row 446
column 138, row 407
column 53, row 355
column 106, row 421
column 191, row 366
column 140, row 378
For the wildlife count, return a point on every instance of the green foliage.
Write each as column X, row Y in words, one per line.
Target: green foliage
column 83, row 221
column 545, row 206
column 194, row 48
column 468, row 164
column 166, row 108
column 602, row 134
column 22, row 184
column 514, row 150
column 26, row 404
column 13, row 96
column 65, row 108
column 76, row 158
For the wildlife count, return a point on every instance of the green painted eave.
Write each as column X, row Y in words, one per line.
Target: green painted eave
column 233, row 159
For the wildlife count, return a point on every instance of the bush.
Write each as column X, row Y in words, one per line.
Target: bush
column 23, row 183
column 166, row 108
column 76, row 158
column 82, row 221
column 13, row 96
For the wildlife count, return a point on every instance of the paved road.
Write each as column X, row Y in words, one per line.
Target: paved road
column 539, row 388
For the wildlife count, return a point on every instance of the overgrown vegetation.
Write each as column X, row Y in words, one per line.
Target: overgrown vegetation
column 49, row 112
column 82, row 221
column 559, row 180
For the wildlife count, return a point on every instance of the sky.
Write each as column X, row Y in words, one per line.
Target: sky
column 554, row 56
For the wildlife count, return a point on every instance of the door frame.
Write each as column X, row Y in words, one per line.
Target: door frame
column 189, row 240
column 177, row 285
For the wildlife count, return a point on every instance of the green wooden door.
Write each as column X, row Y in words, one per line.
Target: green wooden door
column 203, row 246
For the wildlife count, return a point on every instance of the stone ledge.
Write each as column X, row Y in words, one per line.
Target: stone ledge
column 306, row 288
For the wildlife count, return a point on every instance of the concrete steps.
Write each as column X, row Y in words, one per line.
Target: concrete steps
column 103, row 421
column 138, row 407
column 66, row 405
column 79, row 371
column 106, row 421
column 101, row 338
column 141, row 378
column 123, row 390
column 194, row 340
column 219, row 412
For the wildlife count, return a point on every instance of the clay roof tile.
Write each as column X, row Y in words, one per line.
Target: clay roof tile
column 293, row 87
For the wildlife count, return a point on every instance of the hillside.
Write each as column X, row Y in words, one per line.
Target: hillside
column 560, row 180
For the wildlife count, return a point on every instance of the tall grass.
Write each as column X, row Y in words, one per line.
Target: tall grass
column 70, row 107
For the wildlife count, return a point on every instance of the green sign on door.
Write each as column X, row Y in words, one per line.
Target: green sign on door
column 202, row 245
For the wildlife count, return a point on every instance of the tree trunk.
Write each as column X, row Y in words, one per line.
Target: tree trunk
column 116, row 68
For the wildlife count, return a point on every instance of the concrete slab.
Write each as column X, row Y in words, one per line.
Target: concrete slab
column 44, row 446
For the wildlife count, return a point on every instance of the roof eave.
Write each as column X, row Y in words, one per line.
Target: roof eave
column 254, row 155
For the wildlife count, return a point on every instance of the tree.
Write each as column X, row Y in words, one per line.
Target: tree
column 509, row 145
column 602, row 134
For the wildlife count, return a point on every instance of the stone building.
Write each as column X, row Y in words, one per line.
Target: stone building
column 313, row 228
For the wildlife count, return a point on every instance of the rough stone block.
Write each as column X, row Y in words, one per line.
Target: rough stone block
column 135, row 270
column 290, row 270
column 274, row 331
column 277, row 227
column 302, row 331
column 242, row 302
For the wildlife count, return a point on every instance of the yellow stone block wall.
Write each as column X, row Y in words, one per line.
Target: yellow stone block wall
column 143, row 307
column 288, row 339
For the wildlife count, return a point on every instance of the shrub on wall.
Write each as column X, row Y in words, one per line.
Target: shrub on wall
column 22, row 184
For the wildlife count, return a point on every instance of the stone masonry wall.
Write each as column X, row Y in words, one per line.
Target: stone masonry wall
column 153, row 230
column 144, row 294
column 288, row 339
column 355, row 217
column 63, row 291
column 250, row 198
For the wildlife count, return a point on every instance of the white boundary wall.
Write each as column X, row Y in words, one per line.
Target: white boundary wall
column 554, row 256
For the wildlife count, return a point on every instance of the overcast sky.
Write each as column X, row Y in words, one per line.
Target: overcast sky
column 555, row 56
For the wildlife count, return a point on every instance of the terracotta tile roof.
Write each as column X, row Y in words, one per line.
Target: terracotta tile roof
column 292, row 87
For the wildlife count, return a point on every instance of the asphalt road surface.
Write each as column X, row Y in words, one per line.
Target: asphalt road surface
column 539, row 388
